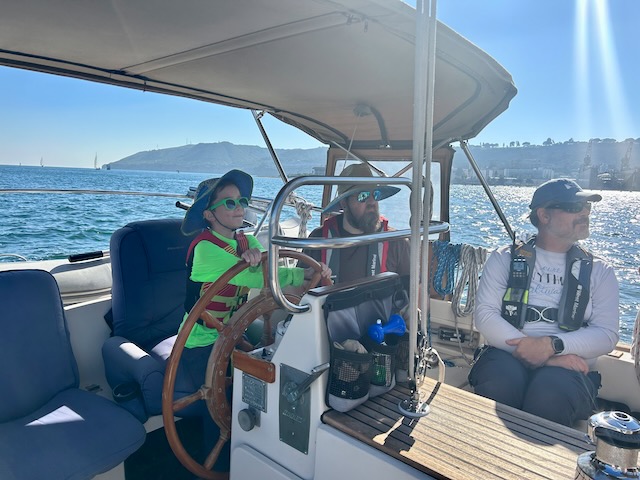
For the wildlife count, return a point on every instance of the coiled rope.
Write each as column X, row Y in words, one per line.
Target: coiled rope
column 635, row 346
column 459, row 265
column 303, row 210
column 471, row 262
column 461, row 262
column 446, row 256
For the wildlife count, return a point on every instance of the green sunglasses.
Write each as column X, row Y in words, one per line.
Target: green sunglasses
column 364, row 196
column 231, row 203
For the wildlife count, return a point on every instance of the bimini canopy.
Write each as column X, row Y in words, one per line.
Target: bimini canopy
column 330, row 68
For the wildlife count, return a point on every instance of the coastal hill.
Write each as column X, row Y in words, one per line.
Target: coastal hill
column 513, row 160
column 222, row 156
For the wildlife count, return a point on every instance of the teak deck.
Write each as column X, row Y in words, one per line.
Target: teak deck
column 465, row 436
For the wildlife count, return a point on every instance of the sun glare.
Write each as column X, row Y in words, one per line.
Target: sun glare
column 599, row 89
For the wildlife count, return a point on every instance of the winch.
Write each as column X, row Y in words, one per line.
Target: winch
column 616, row 436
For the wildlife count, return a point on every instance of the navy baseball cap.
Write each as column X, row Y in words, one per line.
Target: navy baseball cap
column 561, row 190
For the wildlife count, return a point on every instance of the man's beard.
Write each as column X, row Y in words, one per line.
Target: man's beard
column 368, row 222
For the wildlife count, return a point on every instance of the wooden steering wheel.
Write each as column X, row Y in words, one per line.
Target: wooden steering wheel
column 213, row 392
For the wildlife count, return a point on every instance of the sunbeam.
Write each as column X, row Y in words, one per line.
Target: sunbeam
column 582, row 79
column 616, row 106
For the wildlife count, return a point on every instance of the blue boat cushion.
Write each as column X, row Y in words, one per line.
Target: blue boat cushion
column 49, row 428
column 36, row 360
column 125, row 362
column 149, row 279
column 76, row 435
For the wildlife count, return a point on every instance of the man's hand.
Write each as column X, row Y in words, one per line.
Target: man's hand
column 324, row 273
column 252, row 256
column 570, row 362
column 532, row 351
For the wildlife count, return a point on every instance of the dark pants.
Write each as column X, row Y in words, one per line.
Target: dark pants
column 555, row 393
column 189, row 378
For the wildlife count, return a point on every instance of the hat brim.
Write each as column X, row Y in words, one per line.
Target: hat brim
column 386, row 191
column 194, row 221
column 583, row 196
column 589, row 196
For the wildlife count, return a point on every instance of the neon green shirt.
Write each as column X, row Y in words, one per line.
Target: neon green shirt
column 210, row 262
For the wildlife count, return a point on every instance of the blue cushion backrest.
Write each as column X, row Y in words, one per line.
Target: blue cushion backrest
column 36, row 360
column 149, row 280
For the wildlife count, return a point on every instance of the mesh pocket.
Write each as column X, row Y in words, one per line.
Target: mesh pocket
column 383, row 360
column 350, row 374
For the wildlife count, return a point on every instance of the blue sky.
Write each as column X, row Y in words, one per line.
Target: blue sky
column 576, row 65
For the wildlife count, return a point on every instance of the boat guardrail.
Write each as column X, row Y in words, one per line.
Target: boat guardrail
column 277, row 241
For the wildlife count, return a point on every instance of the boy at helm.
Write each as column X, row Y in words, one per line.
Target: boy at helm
column 548, row 309
column 217, row 214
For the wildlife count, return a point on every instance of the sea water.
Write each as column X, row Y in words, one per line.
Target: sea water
column 45, row 226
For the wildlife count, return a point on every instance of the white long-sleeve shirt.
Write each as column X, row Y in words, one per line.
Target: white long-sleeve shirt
column 602, row 315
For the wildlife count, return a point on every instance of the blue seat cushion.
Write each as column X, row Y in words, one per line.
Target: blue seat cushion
column 149, row 280
column 75, row 435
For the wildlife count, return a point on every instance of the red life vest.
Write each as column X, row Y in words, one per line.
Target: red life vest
column 376, row 256
column 231, row 296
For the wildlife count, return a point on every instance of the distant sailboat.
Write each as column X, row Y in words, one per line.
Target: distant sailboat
column 41, row 162
column 95, row 162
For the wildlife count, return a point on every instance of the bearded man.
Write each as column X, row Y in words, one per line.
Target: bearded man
column 360, row 215
column 547, row 308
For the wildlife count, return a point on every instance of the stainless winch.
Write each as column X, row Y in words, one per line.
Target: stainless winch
column 616, row 436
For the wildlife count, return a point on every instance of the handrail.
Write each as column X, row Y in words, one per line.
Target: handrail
column 435, row 227
column 277, row 241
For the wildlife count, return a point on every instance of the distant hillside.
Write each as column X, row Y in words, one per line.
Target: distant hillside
column 563, row 159
column 223, row 156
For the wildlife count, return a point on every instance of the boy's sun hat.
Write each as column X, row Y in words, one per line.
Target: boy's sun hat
column 194, row 220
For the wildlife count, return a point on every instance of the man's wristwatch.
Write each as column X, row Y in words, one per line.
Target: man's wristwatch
column 557, row 344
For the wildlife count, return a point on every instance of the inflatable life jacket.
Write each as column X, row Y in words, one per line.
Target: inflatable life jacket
column 231, row 296
column 376, row 255
column 575, row 288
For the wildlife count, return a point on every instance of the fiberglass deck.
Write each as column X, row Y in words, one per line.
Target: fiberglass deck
column 465, row 437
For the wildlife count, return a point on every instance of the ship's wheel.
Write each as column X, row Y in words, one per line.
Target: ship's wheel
column 217, row 383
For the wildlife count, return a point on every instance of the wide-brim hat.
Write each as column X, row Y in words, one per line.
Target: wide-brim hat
column 561, row 190
column 346, row 190
column 194, row 220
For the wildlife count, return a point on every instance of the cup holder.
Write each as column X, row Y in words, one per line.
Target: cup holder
column 126, row 392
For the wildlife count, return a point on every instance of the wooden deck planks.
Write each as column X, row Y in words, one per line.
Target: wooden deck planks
column 465, row 437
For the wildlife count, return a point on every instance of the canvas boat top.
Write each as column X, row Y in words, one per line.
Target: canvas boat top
column 342, row 71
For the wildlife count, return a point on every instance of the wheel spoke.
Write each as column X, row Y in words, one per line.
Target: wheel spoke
column 184, row 402
column 211, row 322
column 215, row 452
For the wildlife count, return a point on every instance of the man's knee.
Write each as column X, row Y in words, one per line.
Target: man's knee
column 560, row 395
column 499, row 376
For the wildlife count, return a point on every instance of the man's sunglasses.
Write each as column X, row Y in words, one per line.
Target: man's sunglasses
column 571, row 207
column 231, row 203
column 364, row 196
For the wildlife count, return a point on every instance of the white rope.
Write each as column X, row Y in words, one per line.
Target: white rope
column 471, row 261
column 635, row 346
column 303, row 210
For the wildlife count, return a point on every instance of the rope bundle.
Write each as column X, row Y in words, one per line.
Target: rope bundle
column 303, row 210
column 471, row 261
column 462, row 262
column 635, row 346
column 447, row 255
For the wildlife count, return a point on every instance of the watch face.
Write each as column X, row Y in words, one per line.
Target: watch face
column 557, row 344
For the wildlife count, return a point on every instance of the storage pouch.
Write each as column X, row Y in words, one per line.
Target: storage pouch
column 348, row 315
column 383, row 364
